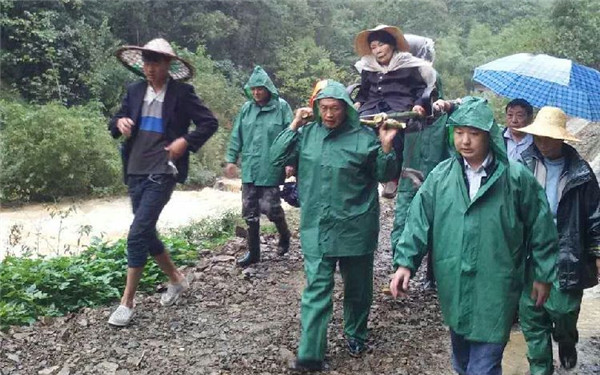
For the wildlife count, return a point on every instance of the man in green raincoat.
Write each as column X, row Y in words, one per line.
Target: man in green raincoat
column 339, row 163
column 260, row 120
column 482, row 215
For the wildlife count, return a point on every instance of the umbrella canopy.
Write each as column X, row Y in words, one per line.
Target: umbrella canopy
column 544, row 80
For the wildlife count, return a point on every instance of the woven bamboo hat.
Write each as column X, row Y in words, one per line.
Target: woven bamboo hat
column 131, row 58
column 550, row 122
column 361, row 43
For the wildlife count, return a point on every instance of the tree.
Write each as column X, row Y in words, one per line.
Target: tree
column 301, row 66
column 49, row 50
column 577, row 26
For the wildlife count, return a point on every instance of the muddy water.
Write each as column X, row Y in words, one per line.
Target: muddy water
column 515, row 361
column 110, row 218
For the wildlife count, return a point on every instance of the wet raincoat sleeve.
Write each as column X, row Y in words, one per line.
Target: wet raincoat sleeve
column 284, row 150
column 413, row 244
column 235, row 140
column 541, row 233
column 386, row 165
column 593, row 218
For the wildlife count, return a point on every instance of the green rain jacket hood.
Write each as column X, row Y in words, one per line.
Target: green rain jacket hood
column 254, row 130
column 260, row 78
column 480, row 245
column 336, row 90
column 338, row 170
column 476, row 113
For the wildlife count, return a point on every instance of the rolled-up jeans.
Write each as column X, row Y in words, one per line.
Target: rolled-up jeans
column 149, row 194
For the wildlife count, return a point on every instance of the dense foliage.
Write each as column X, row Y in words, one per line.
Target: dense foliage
column 49, row 151
column 61, row 51
column 33, row 287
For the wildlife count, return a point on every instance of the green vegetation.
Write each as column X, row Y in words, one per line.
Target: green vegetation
column 34, row 287
column 60, row 53
column 49, row 151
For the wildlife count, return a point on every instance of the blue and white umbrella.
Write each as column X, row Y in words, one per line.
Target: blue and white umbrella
column 544, row 80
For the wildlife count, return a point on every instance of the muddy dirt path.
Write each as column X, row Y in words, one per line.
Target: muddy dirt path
column 234, row 322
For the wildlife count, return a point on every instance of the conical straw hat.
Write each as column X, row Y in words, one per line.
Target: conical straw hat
column 550, row 122
column 361, row 44
column 131, row 57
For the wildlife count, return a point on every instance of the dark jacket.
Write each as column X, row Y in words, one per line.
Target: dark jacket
column 181, row 106
column 400, row 89
column 578, row 218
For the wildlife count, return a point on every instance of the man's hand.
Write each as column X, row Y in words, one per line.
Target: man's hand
column 441, row 105
column 177, row 148
column 290, row 171
column 598, row 266
column 356, row 105
column 230, row 170
column 124, row 125
column 420, row 110
column 399, row 284
column 302, row 117
column 386, row 136
column 540, row 293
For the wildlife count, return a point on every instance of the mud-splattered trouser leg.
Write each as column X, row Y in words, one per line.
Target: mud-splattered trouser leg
column 261, row 199
column 558, row 317
column 317, row 305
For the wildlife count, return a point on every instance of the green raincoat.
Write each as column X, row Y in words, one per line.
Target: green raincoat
column 479, row 246
column 254, row 130
column 338, row 172
column 423, row 150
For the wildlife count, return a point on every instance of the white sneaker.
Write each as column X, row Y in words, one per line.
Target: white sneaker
column 121, row 316
column 173, row 292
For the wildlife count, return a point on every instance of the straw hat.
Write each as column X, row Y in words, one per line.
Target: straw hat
column 550, row 122
column 131, row 57
column 361, row 44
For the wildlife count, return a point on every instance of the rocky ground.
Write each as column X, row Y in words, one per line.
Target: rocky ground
column 234, row 322
column 247, row 322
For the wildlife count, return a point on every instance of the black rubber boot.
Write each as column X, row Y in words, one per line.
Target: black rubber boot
column 253, row 253
column 284, row 237
column 568, row 355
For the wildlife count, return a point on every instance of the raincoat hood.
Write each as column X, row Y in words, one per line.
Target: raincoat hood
column 476, row 113
column 260, row 78
column 336, row 90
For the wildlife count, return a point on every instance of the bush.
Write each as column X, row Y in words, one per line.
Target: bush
column 57, row 286
column 50, row 151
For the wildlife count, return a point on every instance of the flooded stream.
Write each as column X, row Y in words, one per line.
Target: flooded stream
column 66, row 228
